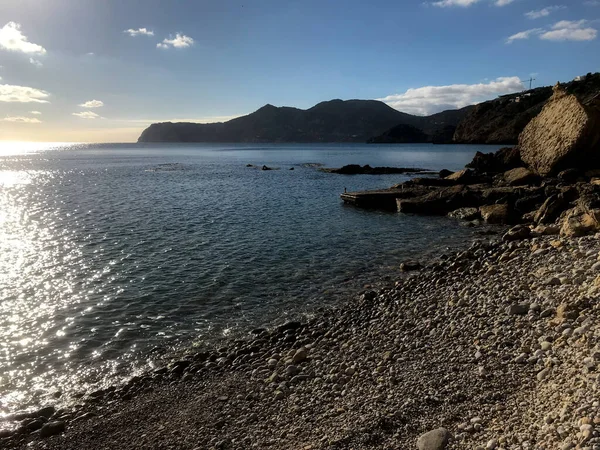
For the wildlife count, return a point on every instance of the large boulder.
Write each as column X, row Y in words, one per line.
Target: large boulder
column 565, row 134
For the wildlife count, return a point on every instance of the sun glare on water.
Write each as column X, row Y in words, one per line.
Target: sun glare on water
column 16, row 148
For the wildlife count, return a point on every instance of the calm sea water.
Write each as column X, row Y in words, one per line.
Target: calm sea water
column 113, row 254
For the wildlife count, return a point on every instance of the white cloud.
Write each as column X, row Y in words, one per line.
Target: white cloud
column 92, row 104
column 37, row 113
column 21, row 119
column 544, row 12
column 431, row 99
column 35, row 62
column 567, row 30
column 447, row 3
column 139, row 31
column 87, row 115
column 592, row 3
column 467, row 3
column 180, row 41
column 12, row 39
column 210, row 119
column 523, row 35
column 22, row 94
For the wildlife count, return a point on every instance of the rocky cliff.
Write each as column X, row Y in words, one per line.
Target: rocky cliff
column 332, row 121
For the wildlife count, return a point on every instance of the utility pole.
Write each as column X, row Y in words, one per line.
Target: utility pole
column 531, row 80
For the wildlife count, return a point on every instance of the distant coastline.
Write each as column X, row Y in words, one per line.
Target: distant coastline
column 498, row 122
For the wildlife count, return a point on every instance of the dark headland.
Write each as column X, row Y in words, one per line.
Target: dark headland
column 495, row 346
column 498, row 121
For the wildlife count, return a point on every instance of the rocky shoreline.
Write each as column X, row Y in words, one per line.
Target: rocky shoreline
column 494, row 347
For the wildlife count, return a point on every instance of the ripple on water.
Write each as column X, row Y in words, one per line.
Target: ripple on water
column 115, row 255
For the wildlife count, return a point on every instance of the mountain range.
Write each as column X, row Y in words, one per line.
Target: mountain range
column 498, row 121
column 330, row 121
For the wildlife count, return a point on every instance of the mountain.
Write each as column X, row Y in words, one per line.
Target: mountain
column 438, row 128
column 330, row 121
column 401, row 134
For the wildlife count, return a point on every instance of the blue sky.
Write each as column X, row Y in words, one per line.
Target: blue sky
column 212, row 60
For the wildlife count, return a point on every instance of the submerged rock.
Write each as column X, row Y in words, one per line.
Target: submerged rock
column 465, row 214
column 357, row 169
column 409, row 266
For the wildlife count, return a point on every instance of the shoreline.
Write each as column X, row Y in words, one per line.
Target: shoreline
column 452, row 345
column 332, row 294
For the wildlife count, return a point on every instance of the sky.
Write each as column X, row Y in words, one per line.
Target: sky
column 103, row 70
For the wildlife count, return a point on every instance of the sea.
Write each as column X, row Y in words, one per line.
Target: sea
column 116, row 256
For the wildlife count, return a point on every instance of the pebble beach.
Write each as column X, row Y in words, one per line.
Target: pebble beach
column 493, row 347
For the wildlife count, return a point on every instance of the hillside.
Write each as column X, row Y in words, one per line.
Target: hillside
column 500, row 121
column 438, row 128
column 330, row 121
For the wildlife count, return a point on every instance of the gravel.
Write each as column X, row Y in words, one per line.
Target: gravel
column 496, row 345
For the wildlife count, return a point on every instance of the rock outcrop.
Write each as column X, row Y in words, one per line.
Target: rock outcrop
column 564, row 135
column 520, row 176
column 504, row 159
column 356, row 169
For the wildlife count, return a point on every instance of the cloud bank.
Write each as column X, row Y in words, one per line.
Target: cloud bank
column 21, row 119
column 565, row 30
column 22, row 94
column 432, row 99
column 12, row 39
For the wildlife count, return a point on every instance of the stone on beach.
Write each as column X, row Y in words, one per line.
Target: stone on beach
column 496, row 214
column 52, row 428
column 434, row 440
